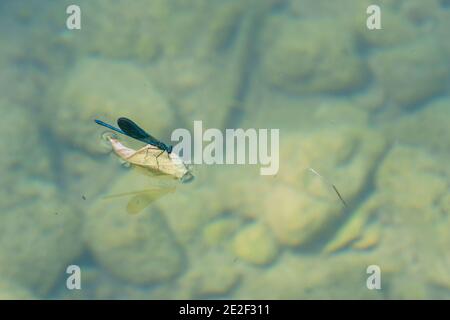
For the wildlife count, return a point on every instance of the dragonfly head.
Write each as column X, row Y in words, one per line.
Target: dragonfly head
column 169, row 148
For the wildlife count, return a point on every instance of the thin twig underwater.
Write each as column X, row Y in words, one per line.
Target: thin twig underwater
column 155, row 159
column 331, row 184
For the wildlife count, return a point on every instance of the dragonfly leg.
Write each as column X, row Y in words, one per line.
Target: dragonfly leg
column 158, row 157
column 145, row 148
column 148, row 147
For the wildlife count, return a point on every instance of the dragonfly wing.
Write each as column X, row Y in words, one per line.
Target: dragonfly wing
column 136, row 132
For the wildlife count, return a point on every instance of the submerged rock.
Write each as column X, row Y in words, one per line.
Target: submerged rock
column 41, row 237
column 25, row 151
column 310, row 277
column 217, row 232
column 413, row 72
column 137, row 248
column 211, row 274
column 310, row 56
column 358, row 231
column 294, row 217
column 12, row 291
column 255, row 244
column 428, row 128
column 119, row 30
column 411, row 178
column 269, row 109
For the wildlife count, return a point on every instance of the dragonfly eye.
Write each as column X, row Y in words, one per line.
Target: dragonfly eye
column 169, row 149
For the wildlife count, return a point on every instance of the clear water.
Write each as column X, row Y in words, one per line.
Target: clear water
column 366, row 110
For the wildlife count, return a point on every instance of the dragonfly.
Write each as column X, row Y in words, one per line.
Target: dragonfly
column 172, row 164
column 141, row 199
column 131, row 129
